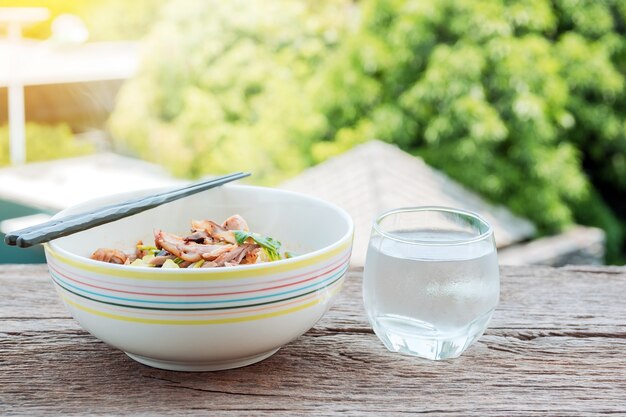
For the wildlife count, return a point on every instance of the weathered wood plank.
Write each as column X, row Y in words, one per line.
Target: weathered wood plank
column 27, row 291
column 557, row 346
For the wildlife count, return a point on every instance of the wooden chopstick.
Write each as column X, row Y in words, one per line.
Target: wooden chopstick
column 68, row 225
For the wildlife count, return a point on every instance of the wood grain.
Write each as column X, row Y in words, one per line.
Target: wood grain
column 556, row 346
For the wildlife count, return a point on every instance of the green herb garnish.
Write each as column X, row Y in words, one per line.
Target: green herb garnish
column 270, row 245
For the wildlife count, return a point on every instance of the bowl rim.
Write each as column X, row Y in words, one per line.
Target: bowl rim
column 266, row 268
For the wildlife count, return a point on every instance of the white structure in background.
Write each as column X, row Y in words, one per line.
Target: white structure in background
column 15, row 19
column 69, row 28
column 375, row 177
column 60, row 60
column 56, row 185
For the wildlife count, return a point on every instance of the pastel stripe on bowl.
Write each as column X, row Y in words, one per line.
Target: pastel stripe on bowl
column 141, row 303
column 168, row 318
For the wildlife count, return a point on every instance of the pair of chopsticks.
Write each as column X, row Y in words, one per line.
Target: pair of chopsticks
column 74, row 223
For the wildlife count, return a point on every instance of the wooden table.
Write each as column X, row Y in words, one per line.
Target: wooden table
column 556, row 346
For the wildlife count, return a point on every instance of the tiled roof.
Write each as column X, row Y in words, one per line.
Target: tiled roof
column 376, row 177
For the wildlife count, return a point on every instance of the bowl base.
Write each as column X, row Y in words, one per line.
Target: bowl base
column 200, row 366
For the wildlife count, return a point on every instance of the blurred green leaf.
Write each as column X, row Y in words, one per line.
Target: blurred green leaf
column 45, row 142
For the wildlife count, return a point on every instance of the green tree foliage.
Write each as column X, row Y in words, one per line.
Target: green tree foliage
column 221, row 86
column 44, row 142
column 523, row 101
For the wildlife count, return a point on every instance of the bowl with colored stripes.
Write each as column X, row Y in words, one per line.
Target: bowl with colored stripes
column 205, row 319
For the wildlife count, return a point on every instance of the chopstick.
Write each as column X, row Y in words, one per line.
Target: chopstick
column 71, row 224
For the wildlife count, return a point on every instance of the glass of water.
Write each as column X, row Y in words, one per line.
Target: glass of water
column 431, row 280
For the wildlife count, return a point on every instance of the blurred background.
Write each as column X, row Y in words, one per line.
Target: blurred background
column 515, row 109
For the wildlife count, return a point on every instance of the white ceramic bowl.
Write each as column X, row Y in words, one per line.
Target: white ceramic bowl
column 207, row 318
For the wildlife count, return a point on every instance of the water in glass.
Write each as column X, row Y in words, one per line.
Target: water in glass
column 430, row 301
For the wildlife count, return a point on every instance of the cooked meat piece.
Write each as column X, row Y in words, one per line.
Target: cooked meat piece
column 252, row 256
column 251, row 250
column 214, row 230
column 199, row 236
column 193, row 252
column 234, row 256
column 169, row 242
column 188, row 251
column 239, row 260
column 227, row 256
column 211, row 254
column 236, row 222
column 112, row 256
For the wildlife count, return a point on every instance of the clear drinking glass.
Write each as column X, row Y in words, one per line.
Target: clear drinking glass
column 431, row 280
